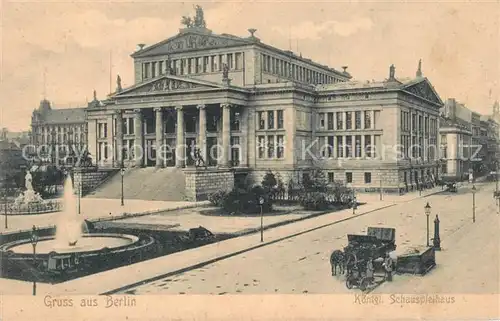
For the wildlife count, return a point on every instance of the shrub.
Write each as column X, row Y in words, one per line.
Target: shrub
column 315, row 201
column 340, row 192
column 246, row 201
column 217, row 198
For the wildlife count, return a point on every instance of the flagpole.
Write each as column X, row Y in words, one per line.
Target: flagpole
column 110, row 71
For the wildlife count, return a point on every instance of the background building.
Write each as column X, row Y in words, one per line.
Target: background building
column 58, row 134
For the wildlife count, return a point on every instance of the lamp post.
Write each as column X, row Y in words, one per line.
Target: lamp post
column 427, row 213
column 34, row 241
column 122, row 172
column 437, row 239
column 380, row 179
column 473, row 203
column 79, row 196
column 261, row 202
column 5, row 206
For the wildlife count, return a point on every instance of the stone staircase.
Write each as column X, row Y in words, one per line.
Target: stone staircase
column 152, row 184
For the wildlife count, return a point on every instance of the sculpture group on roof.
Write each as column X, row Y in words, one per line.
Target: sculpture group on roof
column 197, row 21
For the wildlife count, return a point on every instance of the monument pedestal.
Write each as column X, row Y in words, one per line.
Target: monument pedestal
column 201, row 182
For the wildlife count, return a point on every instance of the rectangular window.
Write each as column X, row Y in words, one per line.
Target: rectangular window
column 413, row 123
column 279, row 116
column 153, row 69
column 330, row 145
column 357, row 120
column 281, row 147
column 340, row 147
column 348, row 177
column 130, row 126
column 368, row 146
column 260, row 120
column 160, row 67
column 420, row 124
column 340, row 124
column 331, row 177
column 270, row 146
column 261, row 146
column 146, row 70
column 321, row 118
column 205, row 64
column 348, row 120
column 368, row 178
column 357, row 146
column 368, row 120
column 348, row 143
column 330, row 121
column 270, row 119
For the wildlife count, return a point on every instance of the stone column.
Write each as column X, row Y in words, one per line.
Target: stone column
column 372, row 124
column 119, row 137
column 180, row 148
column 139, row 137
column 159, row 137
column 226, row 134
column 202, row 132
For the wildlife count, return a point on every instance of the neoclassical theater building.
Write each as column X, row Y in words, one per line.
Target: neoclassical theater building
column 251, row 107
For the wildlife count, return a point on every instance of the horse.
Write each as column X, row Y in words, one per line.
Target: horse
column 337, row 259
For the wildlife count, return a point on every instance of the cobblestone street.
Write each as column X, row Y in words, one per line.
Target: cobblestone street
column 301, row 264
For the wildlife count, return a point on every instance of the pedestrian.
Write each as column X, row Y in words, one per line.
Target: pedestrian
column 388, row 267
column 354, row 205
column 369, row 269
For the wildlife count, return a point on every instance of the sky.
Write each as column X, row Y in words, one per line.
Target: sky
column 71, row 42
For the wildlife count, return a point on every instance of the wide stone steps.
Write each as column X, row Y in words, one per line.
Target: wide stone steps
column 164, row 184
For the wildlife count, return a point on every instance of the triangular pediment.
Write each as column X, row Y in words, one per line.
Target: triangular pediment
column 167, row 83
column 424, row 89
column 191, row 39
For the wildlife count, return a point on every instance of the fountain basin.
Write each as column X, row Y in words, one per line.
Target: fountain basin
column 88, row 243
column 92, row 253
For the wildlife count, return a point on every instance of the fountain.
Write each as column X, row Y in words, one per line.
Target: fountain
column 73, row 244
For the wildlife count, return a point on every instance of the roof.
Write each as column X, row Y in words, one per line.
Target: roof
column 193, row 39
column 7, row 145
column 63, row 116
column 419, row 86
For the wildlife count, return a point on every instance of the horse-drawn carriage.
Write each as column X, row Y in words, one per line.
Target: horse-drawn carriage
column 364, row 255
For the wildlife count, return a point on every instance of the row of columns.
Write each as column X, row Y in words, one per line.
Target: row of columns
column 180, row 138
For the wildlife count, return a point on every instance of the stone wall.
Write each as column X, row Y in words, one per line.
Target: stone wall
column 202, row 182
column 91, row 178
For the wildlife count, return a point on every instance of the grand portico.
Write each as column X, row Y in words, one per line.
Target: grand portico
column 161, row 121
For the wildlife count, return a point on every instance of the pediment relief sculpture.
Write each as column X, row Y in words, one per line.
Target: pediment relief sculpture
column 424, row 90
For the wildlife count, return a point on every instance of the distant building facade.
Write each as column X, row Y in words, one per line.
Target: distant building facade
column 58, row 135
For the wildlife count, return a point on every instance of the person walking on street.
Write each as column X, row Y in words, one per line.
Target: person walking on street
column 388, row 267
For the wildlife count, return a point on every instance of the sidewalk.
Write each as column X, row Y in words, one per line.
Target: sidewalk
column 94, row 209
column 110, row 280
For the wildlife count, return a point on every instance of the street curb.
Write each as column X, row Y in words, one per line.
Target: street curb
column 229, row 255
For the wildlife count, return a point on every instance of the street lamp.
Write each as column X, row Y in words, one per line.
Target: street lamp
column 261, row 202
column 473, row 203
column 427, row 213
column 34, row 241
column 79, row 196
column 5, row 204
column 122, row 172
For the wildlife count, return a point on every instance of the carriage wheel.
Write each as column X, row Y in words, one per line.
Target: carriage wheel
column 348, row 283
column 363, row 284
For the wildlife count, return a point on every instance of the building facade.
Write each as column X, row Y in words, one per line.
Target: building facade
column 58, row 136
column 251, row 107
